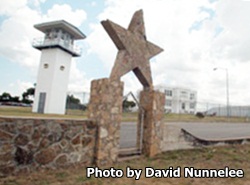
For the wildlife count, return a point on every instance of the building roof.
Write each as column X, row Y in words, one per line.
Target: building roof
column 74, row 31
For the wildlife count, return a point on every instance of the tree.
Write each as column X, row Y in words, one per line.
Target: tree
column 5, row 97
column 26, row 95
column 74, row 103
column 15, row 99
column 72, row 99
column 28, row 92
column 127, row 105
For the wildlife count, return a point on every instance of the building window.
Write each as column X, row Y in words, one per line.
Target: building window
column 168, row 103
column 62, row 68
column 192, row 96
column 192, row 106
column 184, row 94
column 168, row 93
column 45, row 66
column 183, row 106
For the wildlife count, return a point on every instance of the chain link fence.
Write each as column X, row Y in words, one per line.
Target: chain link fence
column 221, row 112
column 77, row 103
column 182, row 111
column 211, row 109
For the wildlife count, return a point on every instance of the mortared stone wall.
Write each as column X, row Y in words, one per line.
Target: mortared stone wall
column 27, row 144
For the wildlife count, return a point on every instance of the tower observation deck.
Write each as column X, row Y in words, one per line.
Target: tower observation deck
column 59, row 34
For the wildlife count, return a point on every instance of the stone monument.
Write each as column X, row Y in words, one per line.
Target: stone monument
column 105, row 107
column 134, row 50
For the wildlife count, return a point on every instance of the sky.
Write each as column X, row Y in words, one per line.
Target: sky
column 196, row 35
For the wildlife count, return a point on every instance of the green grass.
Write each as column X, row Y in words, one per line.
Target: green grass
column 127, row 116
column 133, row 116
column 26, row 112
column 193, row 118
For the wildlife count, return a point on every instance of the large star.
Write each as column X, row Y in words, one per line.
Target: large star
column 134, row 49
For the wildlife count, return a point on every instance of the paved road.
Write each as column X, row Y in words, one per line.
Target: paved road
column 206, row 131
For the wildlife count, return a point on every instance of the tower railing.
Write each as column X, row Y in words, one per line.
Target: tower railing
column 65, row 44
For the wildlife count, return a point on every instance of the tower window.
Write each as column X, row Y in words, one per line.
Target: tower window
column 46, row 66
column 62, row 68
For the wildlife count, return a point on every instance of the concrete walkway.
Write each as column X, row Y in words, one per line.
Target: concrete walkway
column 216, row 131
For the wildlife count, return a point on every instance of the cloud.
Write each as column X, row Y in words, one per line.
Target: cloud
column 37, row 3
column 16, row 34
column 17, row 88
column 234, row 41
column 196, row 37
column 168, row 27
column 23, row 85
column 17, row 31
column 78, row 81
column 64, row 11
column 8, row 7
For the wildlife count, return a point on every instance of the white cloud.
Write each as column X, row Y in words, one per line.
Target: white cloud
column 58, row 12
column 23, row 86
column 17, row 88
column 7, row 7
column 234, row 41
column 79, row 85
column 36, row 3
column 78, row 81
column 221, row 39
column 17, row 32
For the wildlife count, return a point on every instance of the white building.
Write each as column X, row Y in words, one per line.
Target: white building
column 57, row 49
column 179, row 100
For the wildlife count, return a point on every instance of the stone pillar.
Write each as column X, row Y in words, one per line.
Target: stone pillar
column 105, row 108
column 152, row 103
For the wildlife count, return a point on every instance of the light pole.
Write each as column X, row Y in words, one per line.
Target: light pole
column 227, row 88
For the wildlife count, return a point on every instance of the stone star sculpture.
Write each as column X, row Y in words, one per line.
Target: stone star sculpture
column 134, row 50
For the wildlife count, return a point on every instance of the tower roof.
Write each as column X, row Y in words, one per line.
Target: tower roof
column 74, row 31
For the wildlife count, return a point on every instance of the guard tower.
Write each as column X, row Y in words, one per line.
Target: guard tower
column 57, row 49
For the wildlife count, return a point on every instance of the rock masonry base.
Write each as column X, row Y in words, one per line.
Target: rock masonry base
column 152, row 103
column 27, row 144
column 105, row 108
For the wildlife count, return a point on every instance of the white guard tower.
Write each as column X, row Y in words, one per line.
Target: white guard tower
column 57, row 50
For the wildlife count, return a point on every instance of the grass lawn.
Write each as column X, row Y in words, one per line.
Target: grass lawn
column 26, row 112
column 127, row 116
column 233, row 156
